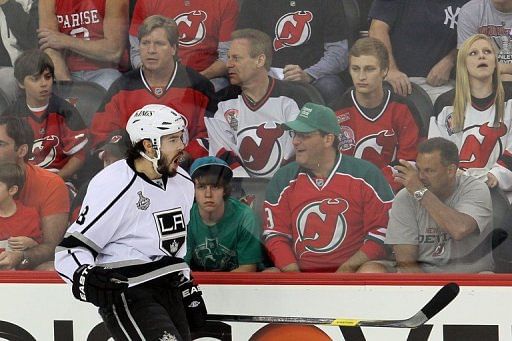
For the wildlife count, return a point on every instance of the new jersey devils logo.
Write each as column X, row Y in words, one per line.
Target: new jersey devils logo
column 44, row 151
column 293, row 29
column 260, row 149
column 191, row 27
column 378, row 148
column 482, row 142
column 321, row 226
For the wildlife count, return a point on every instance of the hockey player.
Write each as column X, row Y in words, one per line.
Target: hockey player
column 376, row 124
column 125, row 251
column 246, row 129
column 326, row 212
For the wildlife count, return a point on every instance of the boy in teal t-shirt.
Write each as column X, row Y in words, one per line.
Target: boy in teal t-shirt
column 223, row 233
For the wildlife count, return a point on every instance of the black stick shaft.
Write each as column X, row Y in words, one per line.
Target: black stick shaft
column 440, row 300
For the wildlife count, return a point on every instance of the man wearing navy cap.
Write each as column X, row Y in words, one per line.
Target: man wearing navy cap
column 326, row 212
column 223, row 234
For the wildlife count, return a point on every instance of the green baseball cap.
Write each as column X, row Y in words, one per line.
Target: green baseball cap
column 211, row 161
column 314, row 117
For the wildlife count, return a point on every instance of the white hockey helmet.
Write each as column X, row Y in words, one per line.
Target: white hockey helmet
column 153, row 121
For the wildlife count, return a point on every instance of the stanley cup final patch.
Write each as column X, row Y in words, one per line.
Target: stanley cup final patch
column 143, row 202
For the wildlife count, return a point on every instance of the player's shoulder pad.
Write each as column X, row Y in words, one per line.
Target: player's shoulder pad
column 182, row 173
column 114, row 177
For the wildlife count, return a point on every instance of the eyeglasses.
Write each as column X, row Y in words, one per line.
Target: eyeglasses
column 302, row 136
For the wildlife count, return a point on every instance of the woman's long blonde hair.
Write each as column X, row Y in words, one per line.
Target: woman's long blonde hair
column 463, row 88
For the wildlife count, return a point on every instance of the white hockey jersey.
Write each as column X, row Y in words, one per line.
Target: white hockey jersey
column 130, row 223
column 482, row 147
column 250, row 134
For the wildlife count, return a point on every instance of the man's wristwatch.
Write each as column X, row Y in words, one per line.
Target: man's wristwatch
column 418, row 195
column 25, row 261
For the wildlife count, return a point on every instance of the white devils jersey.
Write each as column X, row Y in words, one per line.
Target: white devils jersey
column 128, row 220
column 482, row 147
column 250, row 134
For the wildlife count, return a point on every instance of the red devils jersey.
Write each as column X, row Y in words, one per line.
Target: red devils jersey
column 298, row 29
column 481, row 146
column 82, row 19
column 252, row 133
column 202, row 24
column 59, row 132
column 187, row 92
column 320, row 223
column 392, row 134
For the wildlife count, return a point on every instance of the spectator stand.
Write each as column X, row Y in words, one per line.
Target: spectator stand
column 250, row 191
column 502, row 220
column 4, row 101
column 314, row 94
column 420, row 98
column 86, row 97
column 352, row 20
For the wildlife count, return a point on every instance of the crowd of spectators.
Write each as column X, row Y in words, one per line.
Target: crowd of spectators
column 270, row 91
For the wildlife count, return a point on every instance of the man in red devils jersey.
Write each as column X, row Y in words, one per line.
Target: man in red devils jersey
column 376, row 124
column 60, row 134
column 85, row 39
column 326, row 211
column 160, row 80
column 204, row 28
column 246, row 129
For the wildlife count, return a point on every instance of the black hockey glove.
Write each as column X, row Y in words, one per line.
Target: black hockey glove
column 193, row 302
column 97, row 285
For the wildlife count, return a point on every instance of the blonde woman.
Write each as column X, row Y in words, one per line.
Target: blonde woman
column 476, row 117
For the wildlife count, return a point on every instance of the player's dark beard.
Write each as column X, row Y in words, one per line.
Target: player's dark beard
column 164, row 164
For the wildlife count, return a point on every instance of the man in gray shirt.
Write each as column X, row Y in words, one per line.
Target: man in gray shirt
column 439, row 217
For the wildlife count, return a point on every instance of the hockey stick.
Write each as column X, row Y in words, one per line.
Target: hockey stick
column 440, row 300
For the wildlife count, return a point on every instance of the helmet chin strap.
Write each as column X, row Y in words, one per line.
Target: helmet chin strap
column 154, row 161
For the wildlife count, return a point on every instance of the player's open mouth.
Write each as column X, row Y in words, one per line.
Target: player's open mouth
column 481, row 65
column 177, row 159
